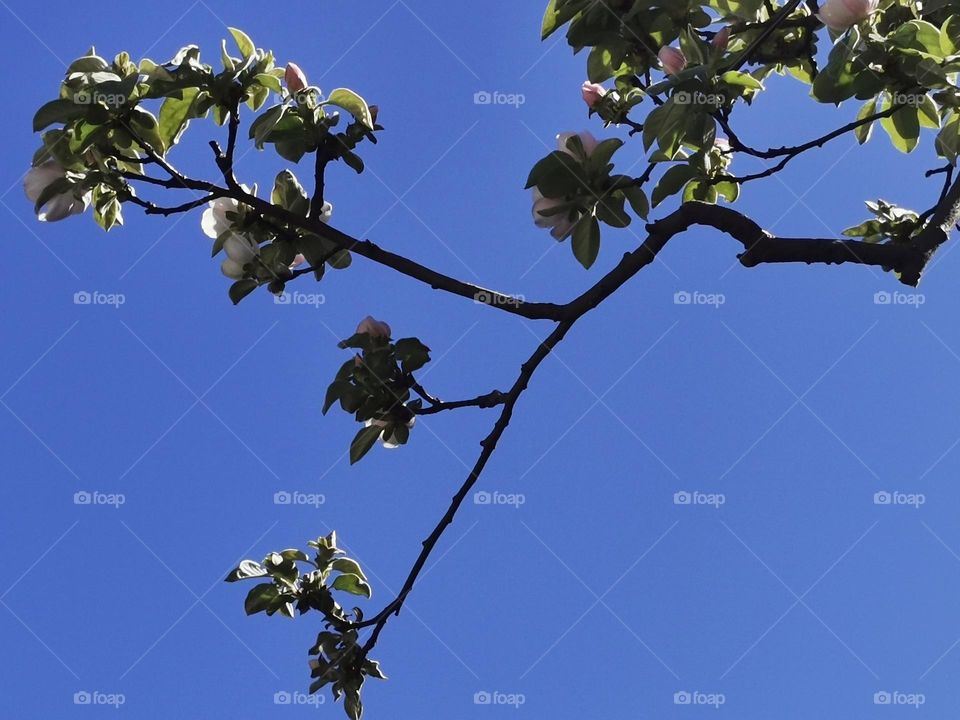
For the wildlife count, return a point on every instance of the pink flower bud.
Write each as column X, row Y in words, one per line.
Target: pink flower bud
column 841, row 14
column 721, row 39
column 592, row 93
column 672, row 59
column 373, row 328
column 294, row 77
column 374, row 111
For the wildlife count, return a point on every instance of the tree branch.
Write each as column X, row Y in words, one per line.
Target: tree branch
column 489, row 445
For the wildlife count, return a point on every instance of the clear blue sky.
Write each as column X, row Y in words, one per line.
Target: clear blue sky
column 798, row 399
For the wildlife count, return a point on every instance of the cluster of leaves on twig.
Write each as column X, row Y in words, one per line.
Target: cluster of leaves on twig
column 338, row 659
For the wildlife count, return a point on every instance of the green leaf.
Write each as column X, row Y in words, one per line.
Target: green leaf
column 586, row 240
column 741, row 79
column 948, row 139
column 348, row 567
column 363, row 441
column 864, row 132
column 247, row 569
column 610, row 210
column 929, row 113
column 557, row 175
column 241, row 288
column 638, row 200
column 550, row 21
column 145, row 125
column 57, row 111
column 352, row 103
column 372, row 668
column 243, row 42
column 950, row 35
column 671, row 182
column 288, row 193
column 412, row 353
column 352, row 704
column 265, row 124
column 260, row 598
column 175, row 114
column 353, row 584
column 903, row 127
column 269, row 81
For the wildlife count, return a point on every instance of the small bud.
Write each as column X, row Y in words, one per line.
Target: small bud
column 672, row 59
column 593, row 94
column 374, row 111
column 721, row 39
column 374, row 328
column 294, row 78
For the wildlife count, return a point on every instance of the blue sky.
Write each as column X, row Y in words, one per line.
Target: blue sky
column 796, row 400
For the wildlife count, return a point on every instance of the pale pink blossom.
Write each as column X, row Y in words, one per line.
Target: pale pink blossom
column 672, row 59
column 59, row 206
column 593, row 93
column 560, row 224
column 588, row 141
column 390, row 442
column 240, row 251
column 841, row 14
